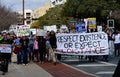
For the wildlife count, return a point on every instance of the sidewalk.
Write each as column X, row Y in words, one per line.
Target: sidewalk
column 30, row 70
column 46, row 69
column 63, row 70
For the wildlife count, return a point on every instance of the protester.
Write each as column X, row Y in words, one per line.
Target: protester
column 30, row 47
column 4, row 56
column 47, row 53
column 24, row 47
column 53, row 44
column 116, row 37
column 35, row 50
column 110, row 43
column 17, row 50
column 42, row 48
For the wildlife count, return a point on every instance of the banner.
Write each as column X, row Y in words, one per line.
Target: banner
column 83, row 44
column 5, row 48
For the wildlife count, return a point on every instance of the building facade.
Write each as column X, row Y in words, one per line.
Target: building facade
column 40, row 11
column 57, row 2
column 28, row 15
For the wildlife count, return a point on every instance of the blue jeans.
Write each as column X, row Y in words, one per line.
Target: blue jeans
column 25, row 56
column 19, row 58
column 117, row 49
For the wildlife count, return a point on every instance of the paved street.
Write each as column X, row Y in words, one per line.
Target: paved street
column 71, row 67
column 98, row 68
column 47, row 69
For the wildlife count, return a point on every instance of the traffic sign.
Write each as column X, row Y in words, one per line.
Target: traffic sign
column 110, row 23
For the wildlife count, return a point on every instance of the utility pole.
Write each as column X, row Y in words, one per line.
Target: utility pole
column 23, row 11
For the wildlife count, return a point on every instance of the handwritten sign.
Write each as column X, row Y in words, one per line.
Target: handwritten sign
column 5, row 48
column 83, row 43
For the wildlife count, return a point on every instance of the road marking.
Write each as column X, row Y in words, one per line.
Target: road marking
column 105, row 72
column 107, row 63
column 80, row 70
column 72, row 60
column 93, row 65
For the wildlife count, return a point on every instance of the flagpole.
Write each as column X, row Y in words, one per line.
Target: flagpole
column 23, row 10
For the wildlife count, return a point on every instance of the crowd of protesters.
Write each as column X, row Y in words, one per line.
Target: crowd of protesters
column 34, row 48
column 28, row 49
column 41, row 48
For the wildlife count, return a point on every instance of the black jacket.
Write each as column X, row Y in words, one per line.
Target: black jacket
column 53, row 41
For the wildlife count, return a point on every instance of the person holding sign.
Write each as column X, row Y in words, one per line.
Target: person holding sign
column 5, row 56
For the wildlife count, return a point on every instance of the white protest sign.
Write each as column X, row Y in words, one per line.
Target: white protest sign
column 64, row 29
column 5, row 48
column 50, row 28
column 40, row 32
column 99, row 28
column 83, row 44
column 33, row 31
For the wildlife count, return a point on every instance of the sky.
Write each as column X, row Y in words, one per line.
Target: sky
column 16, row 5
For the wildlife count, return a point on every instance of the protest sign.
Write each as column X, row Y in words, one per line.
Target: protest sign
column 5, row 48
column 50, row 28
column 83, row 44
column 99, row 28
column 23, row 30
column 40, row 32
column 80, row 27
column 92, row 23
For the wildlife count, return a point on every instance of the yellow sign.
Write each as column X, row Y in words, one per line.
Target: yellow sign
column 92, row 23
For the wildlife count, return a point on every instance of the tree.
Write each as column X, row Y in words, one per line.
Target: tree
column 7, row 17
column 70, row 7
column 90, row 8
column 35, row 24
column 52, row 17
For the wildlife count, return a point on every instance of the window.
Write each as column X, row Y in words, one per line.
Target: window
column 28, row 22
column 53, row 3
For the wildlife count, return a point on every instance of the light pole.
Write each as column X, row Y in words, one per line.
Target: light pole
column 23, row 10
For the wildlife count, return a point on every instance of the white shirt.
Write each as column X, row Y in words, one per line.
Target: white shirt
column 117, row 38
